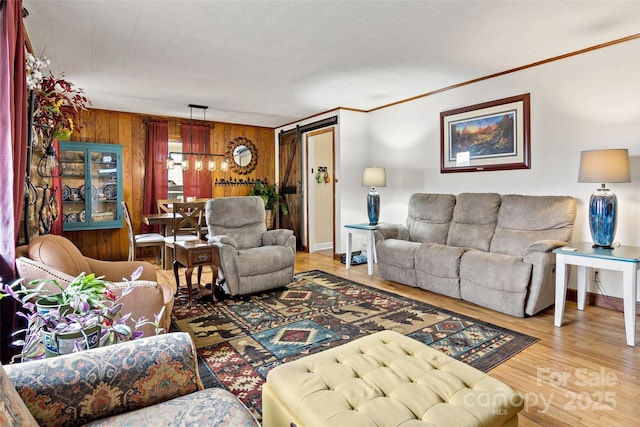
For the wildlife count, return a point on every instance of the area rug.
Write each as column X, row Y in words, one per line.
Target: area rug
column 241, row 339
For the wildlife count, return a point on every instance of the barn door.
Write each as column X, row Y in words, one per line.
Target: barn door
column 290, row 179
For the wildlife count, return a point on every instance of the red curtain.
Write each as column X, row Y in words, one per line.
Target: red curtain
column 156, row 176
column 195, row 138
column 13, row 149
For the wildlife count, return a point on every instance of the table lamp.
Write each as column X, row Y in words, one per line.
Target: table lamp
column 374, row 177
column 605, row 165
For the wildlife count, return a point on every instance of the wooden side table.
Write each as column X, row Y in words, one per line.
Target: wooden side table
column 191, row 254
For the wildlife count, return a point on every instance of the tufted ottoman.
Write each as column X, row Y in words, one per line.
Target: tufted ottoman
column 385, row 379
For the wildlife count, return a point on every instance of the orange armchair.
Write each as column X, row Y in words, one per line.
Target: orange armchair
column 55, row 257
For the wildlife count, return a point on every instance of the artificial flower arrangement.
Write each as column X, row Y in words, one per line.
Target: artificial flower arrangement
column 87, row 308
column 57, row 102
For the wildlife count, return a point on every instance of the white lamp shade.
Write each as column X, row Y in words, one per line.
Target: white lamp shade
column 374, row 177
column 606, row 165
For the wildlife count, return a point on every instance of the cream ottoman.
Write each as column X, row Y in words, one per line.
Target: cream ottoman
column 385, row 379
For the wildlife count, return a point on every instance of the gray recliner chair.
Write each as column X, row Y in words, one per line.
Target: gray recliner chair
column 250, row 258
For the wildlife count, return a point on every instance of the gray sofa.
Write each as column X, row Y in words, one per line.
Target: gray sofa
column 489, row 249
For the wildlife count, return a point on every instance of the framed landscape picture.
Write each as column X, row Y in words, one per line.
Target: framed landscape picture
column 489, row 136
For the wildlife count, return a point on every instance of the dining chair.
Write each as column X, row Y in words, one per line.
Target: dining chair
column 186, row 226
column 204, row 230
column 166, row 205
column 142, row 240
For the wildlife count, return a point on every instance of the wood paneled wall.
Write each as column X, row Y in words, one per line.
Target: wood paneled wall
column 129, row 130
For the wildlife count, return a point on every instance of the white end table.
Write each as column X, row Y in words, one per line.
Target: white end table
column 371, row 246
column 621, row 258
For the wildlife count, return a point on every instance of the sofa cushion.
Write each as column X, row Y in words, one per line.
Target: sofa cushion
column 209, row 407
column 429, row 217
column 474, row 220
column 523, row 220
column 58, row 252
column 13, row 411
column 77, row 388
column 438, row 268
column 496, row 281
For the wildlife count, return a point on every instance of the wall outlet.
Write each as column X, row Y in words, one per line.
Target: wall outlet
column 596, row 276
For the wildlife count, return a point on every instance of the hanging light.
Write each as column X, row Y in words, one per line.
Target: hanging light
column 224, row 166
column 200, row 158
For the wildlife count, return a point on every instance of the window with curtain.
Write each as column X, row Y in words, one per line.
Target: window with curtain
column 196, row 184
column 175, row 175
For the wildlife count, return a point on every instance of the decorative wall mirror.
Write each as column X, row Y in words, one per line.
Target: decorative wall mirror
column 242, row 155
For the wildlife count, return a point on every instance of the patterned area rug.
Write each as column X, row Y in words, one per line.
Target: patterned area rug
column 240, row 339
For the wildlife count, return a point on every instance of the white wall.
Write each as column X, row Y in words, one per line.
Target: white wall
column 582, row 102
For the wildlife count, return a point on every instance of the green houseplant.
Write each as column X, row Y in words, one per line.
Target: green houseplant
column 84, row 314
column 271, row 198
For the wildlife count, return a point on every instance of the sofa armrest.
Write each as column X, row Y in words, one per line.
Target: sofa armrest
column 544, row 246
column 81, row 387
column 391, row 231
column 115, row 271
column 278, row 237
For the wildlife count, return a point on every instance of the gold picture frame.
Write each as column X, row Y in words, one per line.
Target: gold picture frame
column 490, row 136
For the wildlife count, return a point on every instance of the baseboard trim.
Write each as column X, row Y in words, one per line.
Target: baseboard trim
column 598, row 300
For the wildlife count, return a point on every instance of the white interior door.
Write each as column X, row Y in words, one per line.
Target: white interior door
column 320, row 184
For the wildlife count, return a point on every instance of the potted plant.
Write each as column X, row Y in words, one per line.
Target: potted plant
column 271, row 198
column 83, row 315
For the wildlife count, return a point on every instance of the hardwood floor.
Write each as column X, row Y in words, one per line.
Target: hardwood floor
column 582, row 374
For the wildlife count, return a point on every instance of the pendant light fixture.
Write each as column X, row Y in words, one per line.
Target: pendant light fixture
column 199, row 158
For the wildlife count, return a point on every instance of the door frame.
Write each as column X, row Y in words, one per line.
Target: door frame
column 309, row 205
column 329, row 122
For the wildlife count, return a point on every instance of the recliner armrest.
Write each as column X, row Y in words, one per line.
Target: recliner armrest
column 220, row 240
column 276, row 237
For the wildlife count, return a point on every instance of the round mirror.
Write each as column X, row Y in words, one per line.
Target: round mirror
column 242, row 155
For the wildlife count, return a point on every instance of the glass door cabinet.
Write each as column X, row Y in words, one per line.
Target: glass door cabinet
column 91, row 185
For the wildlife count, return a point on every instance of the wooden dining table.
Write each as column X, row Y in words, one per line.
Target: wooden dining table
column 162, row 219
column 165, row 221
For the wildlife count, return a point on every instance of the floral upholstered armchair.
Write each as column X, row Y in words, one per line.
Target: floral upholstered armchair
column 152, row 381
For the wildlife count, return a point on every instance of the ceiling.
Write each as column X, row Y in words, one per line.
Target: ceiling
column 269, row 63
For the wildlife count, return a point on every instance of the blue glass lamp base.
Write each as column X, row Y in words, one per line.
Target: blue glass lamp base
column 603, row 207
column 373, row 207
